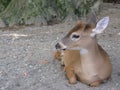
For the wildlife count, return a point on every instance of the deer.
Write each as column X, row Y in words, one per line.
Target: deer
column 83, row 58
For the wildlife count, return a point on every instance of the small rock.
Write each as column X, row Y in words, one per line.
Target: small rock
column 119, row 33
column 118, row 74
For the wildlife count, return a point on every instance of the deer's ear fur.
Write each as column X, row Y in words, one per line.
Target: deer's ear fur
column 91, row 19
column 101, row 26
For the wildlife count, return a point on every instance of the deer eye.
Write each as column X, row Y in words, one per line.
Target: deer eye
column 75, row 37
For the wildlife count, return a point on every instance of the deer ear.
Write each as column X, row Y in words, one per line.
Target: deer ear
column 91, row 19
column 101, row 25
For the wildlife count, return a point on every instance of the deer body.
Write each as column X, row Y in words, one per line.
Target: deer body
column 90, row 63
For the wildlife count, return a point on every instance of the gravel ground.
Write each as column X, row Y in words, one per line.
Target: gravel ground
column 26, row 56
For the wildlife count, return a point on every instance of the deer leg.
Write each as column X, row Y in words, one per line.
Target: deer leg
column 70, row 75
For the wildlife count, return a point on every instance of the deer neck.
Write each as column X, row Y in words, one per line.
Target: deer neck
column 90, row 52
column 91, row 60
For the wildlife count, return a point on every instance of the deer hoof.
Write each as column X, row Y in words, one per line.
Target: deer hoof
column 72, row 80
column 95, row 84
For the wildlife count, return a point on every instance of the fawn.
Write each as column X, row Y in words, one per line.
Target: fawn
column 84, row 59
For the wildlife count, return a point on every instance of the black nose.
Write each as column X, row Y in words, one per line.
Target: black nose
column 57, row 46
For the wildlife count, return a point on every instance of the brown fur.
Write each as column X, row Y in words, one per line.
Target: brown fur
column 72, row 62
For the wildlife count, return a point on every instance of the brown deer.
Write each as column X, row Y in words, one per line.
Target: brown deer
column 84, row 59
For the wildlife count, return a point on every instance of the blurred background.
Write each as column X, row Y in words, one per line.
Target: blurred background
column 46, row 12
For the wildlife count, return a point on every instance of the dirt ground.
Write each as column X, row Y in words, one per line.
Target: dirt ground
column 26, row 56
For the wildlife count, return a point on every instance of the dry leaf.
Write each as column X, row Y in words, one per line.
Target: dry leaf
column 25, row 74
column 44, row 62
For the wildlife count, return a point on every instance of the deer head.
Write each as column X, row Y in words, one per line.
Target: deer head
column 83, row 34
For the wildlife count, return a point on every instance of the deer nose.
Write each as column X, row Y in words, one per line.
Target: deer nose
column 57, row 46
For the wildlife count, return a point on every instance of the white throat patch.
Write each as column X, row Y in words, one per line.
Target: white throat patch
column 83, row 51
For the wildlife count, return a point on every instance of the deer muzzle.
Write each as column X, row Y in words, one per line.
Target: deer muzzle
column 61, row 46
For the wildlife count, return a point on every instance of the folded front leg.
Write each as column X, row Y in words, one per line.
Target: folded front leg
column 70, row 75
column 57, row 55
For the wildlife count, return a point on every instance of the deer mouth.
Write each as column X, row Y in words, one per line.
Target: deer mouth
column 61, row 46
column 64, row 49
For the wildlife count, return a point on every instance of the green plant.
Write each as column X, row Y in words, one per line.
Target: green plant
column 4, row 4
